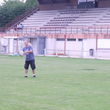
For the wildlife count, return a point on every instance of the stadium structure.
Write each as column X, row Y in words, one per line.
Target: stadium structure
column 74, row 28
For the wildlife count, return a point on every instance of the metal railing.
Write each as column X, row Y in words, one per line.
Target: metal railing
column 61, row 32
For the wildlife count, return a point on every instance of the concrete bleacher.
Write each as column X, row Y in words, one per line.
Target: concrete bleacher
column 68, row 18
column 39, row 19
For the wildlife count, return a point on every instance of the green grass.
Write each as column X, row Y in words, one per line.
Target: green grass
column 62, row 84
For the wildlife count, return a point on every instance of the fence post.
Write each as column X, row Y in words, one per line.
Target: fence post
column 96, row 46
column 82, row 49
column 45, row 51
column 65, row 42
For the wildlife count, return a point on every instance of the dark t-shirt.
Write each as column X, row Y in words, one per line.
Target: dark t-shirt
column 29, row 56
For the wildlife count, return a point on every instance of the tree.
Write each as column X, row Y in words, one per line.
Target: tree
column 31, row 3
column 14, row 8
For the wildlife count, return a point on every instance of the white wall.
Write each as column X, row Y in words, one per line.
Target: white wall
column 70, row 48
column 11, row 46
column 50, row 46
column 34, row 45
column 3, row 45
column 20, row 46
column 60, row 47
column 79, row 48
column 104, row 43
column 103, row 48
column 4, row 41
column 73, row 48
column 87, row 45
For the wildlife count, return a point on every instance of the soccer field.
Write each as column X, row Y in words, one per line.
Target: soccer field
column 62, row 84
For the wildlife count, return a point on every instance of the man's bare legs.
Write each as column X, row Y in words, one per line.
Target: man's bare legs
column 26, row 73
column 34, row 74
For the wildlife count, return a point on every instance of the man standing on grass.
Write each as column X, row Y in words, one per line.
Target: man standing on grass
column 29, row 60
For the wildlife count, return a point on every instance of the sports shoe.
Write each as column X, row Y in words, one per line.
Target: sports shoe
column 34, row 75
column 26, row 76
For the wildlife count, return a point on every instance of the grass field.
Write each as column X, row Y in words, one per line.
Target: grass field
column 62, row 84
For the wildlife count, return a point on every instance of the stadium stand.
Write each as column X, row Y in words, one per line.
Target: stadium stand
column 68, row 17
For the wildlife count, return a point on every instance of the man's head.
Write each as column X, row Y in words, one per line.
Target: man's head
column 26, row 43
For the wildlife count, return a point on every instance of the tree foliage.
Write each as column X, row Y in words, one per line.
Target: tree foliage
column 13, row 8
column 31, row 3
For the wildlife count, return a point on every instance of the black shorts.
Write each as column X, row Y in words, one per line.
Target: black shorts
column 31, row 63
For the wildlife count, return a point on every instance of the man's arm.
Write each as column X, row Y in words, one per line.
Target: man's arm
column 27, row 52
column 30, row 50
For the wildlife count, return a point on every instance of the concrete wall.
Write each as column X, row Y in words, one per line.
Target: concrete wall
column 11, row 46
column 50, row 46
column 72, row 48
column 34, row 44
column 103, row 48
column 63, row 47
column 3, row 45
column 87, row 45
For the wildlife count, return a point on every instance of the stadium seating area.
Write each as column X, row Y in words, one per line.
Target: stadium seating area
column 68, row 18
